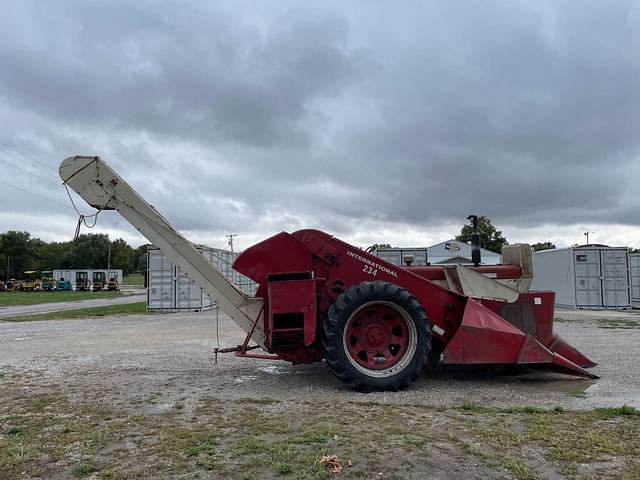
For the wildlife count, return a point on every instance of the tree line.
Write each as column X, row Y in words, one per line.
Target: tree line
column 20, row 252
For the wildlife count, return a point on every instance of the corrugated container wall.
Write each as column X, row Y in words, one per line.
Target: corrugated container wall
column 634, row 267
column 584, row 277
column 170, row 290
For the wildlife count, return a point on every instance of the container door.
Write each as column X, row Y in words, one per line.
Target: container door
column 188, row 293
column 588, row 282
column 160, row 271
column 634, row 265
column 615, row 272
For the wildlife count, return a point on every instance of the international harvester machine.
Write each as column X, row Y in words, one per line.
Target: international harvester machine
column 376, row 325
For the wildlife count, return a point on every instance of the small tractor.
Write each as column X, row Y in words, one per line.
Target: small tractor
column 82, row 282
column 376, row 325
column 31, row 283
column 13, row 285
column 48, row 282
column 63, row 285
column 98, row 281
column 112, row 285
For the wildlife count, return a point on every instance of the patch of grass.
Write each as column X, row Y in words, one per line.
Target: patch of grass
column 625, row 324
column 610, row 412
column 84, row 469
column 578, row 393
column 11, row 299
column 136, row 279
column 519, row 469
column 94, row 312
column 527, row 409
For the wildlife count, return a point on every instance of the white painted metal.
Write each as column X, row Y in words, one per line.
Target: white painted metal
column 171, row 290
column 584, row 277
column 103, row 188
column 634, row 267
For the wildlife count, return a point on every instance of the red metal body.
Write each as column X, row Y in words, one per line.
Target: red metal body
column 300, row 275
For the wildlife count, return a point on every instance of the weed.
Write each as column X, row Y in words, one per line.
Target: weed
column 624, row 410
column 519, row 469
column 84, row 469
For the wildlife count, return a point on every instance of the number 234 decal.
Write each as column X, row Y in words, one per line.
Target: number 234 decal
column 370, row 270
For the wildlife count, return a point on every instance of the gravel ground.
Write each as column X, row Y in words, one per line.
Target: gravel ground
column 125, row 360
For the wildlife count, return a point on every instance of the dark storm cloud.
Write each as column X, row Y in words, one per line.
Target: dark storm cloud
column 255, row 119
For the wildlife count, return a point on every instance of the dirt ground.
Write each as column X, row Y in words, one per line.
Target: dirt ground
column 140, row 396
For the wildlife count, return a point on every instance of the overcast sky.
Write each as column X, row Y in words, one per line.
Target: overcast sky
column 375, row 121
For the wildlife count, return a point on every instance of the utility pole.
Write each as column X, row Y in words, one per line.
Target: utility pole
column 109, row 257
column 586, row 234
column 230, row 237
column 7, row 272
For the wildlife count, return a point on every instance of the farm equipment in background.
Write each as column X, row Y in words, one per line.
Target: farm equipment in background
column 377, row 325
column 98, row 281
column 3, row 286
column 63, row 285
column 48, row 282
column 12, row 285
column 31, row 283
column 82, row 282
column 112, row 285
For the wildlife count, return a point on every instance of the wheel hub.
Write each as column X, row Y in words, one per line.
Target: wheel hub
column 377, row 338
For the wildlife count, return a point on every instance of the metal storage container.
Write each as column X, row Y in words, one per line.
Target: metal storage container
column 634, row 267
column 400, row 256
column 170, row 290
column 593, row 276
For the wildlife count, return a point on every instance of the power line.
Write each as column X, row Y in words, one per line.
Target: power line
column 28, row 172
column 36, row 194
column 44, row 164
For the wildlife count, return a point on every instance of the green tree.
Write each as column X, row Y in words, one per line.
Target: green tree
column 375, row 246
column 121, row 254
column 139, row 259
column 490, row 237
column 89, row 251
column 18, row 248
column 543, row 246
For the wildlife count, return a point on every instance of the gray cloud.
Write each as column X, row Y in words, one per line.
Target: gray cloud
column 261, row 118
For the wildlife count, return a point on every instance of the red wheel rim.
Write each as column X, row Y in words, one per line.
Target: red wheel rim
column 378, row 336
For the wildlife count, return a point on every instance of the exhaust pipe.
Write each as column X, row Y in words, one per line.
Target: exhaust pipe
column 475, row 241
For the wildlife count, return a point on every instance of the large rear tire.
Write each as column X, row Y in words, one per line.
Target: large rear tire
column 376, row 337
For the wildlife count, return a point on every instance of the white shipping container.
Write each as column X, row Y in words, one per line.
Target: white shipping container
column 170, row 290
column 634, row 266
column 584, row 277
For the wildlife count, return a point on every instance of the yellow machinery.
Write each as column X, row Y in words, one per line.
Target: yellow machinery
column 32, row 282
column 82, row 282
column 99, row 282
column 112, row 286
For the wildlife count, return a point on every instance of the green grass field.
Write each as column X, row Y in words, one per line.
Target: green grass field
column 94, row 312
column 10, row 299
column 133, row 279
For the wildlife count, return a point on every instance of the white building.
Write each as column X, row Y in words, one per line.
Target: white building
column 455, row 251
column 70, row 274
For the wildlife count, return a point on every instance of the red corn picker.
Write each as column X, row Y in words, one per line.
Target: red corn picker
column 377, row 325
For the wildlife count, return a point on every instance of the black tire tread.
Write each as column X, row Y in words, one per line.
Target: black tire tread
column 335, row 322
